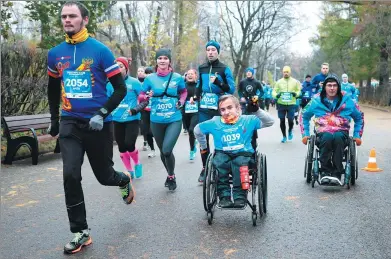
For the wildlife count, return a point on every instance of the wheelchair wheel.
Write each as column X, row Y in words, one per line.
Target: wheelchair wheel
column 260, row 184
column 309, row 159
column 353, row 162
column 208, row 168
column 211, row 187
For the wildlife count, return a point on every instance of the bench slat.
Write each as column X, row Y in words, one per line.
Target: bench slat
column 23, row 123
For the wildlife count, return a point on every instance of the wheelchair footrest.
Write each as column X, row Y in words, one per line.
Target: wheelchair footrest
column 330, row 181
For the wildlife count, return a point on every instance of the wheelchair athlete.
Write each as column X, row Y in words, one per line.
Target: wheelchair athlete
column 333, row 110
column 232, row 133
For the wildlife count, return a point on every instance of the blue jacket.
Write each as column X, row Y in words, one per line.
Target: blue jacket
column 349, row 89
column 319, row 78
column 133, row 89
column 267, row 92
column 209, row 93
column 307, row 91
column 332, row 120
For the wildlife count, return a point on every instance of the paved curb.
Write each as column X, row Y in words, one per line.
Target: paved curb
column 375, row 108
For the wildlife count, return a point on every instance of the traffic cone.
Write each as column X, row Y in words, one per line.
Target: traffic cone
column 372, row 165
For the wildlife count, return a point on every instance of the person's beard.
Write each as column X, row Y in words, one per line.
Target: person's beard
column 70, row 34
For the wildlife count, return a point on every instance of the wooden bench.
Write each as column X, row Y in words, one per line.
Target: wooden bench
column 26, row 123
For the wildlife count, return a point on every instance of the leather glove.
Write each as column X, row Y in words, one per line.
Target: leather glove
column 294, row 94
column 278, row 95
column 304, row 140
column 358, row 141
column 54, row 128
column 253, row 107
column 96, row 122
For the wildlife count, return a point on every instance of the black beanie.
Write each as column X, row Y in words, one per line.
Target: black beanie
column 163, row 52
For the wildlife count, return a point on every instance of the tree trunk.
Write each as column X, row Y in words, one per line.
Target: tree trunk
column 133, row 47
column 155, row 28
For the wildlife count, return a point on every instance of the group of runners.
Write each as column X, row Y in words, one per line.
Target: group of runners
column 101, row 101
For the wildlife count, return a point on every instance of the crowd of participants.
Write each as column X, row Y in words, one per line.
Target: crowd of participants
column 101, row 101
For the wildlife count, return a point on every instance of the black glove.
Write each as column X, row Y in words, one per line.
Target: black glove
column 204, row 155
column 278, row 95
column 179, row 105
column 293, row 94
column 54, row 128
column 253, row 107
column 133, row 112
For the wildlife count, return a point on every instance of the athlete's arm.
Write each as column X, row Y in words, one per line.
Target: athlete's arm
column 54, row 97
column 115, row 99
column 201, row 137
column 265, row 118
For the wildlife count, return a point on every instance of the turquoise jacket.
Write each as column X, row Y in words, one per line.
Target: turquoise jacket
column 332, row 119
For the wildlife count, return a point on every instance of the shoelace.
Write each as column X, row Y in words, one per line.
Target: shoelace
column 77, row 237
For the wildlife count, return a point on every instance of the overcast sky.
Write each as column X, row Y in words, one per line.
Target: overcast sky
column 310, row 12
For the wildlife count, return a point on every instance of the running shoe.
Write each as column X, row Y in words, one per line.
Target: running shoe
column 79, row 240
column 127, row 191
column 152, row 154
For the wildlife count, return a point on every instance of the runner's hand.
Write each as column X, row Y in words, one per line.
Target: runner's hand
column 96, row 123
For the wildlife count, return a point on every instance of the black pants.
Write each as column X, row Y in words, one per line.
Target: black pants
column 75, row 140
column 331, row 148
column 146, row 128
column 267, row 104
column 166, row 136
column 126, row 135
column 190, row 120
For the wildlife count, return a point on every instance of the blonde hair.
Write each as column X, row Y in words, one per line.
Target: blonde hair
column 326, row 64
column 229, row 96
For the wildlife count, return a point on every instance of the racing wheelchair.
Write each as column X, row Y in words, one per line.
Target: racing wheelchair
column 258, row 187
column 312, row 166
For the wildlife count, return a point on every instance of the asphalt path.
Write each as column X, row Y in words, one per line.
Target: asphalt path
column 301, row 222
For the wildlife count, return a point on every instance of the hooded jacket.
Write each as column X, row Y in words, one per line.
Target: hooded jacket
column 332, row 120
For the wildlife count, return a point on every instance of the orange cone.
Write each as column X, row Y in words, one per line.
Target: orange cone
column 372, row 165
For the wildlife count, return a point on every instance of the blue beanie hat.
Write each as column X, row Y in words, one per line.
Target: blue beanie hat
column 250, row 69
column 214, row 44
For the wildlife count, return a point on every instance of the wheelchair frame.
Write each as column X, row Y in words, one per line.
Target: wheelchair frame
column 258, row 178
column 311, row 167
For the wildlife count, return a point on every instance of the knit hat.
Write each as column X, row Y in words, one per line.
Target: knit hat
column 331, row 78
column 124, row 61
column 163, row 52
column 148, row 70
column 251, row 70
column 214, row 44
column 286, row 69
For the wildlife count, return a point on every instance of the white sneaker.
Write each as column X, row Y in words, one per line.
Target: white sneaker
column 152, row 154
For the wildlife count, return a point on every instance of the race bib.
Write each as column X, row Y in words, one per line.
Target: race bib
column 191, row 108
column 286, row 97
column 209, row 101
column 77, row 84
column 232, row 142
column 165, row 107
column 307, row 94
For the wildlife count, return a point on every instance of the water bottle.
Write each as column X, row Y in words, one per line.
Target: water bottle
column 244, row 177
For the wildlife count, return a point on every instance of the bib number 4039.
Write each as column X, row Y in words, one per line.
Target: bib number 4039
column 231, row 137
column 76, row 82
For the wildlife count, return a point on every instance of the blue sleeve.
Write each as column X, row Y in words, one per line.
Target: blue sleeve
column 147, row 85
column 230, row 80
column 358, row 118
column 109, row 89
column 181, row 84
column 305, row 118
column 52, row 69
column 206, row 126
column 107, row 62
